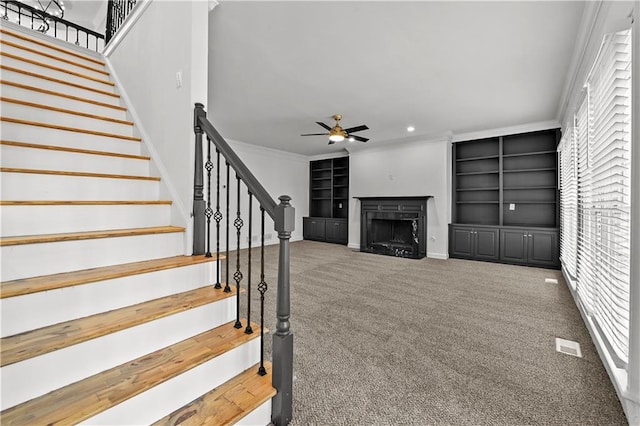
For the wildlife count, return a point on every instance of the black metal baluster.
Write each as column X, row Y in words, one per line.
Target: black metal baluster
column 227, row 289
column 208, row 212
column 237, row 276
column 262, row 288
column 218, row 217
column 249, row 330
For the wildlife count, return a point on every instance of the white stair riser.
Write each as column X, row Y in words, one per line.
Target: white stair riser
column 49, row 159
column 167, row 397
column 30, row 260
column 27, row 186
column 14, row 92
column 61, row 75
column 29, row 80
column 42, row 115
column 258, row 417
column 54, row 62
column 35, row 376
column 42, row 135
column 51, row 51
column 64, row 304
column 35, row 220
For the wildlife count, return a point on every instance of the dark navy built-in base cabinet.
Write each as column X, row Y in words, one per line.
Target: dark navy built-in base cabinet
column 325, row 229
column 522, row 246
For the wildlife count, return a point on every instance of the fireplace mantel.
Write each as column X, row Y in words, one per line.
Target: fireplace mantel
column 402, row 216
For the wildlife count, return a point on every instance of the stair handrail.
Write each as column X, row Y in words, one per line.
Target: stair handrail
column 44, row 16
column 283, row 215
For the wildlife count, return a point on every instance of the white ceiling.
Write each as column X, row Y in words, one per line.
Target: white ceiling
column 277, row 67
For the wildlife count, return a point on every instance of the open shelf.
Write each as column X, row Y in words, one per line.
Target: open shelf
column 484, row 157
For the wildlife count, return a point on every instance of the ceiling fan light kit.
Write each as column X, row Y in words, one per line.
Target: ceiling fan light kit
column 338, row 134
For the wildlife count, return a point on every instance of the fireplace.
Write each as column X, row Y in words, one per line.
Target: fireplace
column 394, row 226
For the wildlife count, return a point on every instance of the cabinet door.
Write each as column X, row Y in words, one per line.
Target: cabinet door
column 313, row 228
column 337, row 231
column 486, row 244
column 542, row 248
column 513, row 246
column 461, row 242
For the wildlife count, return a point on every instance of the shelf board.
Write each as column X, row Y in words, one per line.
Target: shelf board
column 321, row 189
column 525, row 154
column 484, row 157
column 341, row 175
column 493, row 188
column 489, row 172
column 340, row 186
column 320, row 198
column 539, row 169
column 529, row 187
column 477, row 202
column 324, row 169
column 529, row 202
column 322, row 178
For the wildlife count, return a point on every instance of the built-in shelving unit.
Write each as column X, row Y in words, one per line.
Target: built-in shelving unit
column 328, row 201
column 507, row 181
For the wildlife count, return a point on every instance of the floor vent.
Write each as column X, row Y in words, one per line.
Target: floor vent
column 551, row 281
column 568, row 347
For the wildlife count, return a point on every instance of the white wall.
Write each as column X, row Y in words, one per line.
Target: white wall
column 164, row 38
column 413, row 168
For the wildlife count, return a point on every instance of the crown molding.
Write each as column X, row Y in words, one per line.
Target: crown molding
column 509, row 130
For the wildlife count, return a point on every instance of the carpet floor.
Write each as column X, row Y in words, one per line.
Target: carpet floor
column 380, row 340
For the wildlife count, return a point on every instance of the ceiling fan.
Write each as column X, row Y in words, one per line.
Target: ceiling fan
column 337, row 133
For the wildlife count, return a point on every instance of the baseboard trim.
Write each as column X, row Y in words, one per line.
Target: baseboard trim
column 441, row 256
column 354, row 246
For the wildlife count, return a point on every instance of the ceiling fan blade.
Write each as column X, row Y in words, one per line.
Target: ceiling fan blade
column 356, row 129
column 320, row 123
column 315, row 134
column 331, row 142
column 359, row 138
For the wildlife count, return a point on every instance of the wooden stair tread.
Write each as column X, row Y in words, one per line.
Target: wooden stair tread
column 226, row 404
column 78, row 174
column 43, row 340
column 76, row 150
column 62, row 95
column 65, row 111
column 67, row 279
column 75, row 236
column 50, row 56
column 59, row 81
column 53, row 67
column 51, row 46
column 83, row 399
column 69, row 129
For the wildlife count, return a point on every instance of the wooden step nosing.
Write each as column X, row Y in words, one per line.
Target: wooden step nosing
column 25, row 286
column 90, row 235
column 79, row 331
column 74, row 150
column 76, row 174
column 117, row 387
column 62, row 95
column 52, row 46
column 55, row 58
column 65, row 111
column 58, row 69
column 59, row 81
column 69, row 129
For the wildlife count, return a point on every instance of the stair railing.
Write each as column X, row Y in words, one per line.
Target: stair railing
column 283, row 215
column 39, row 20
column 117, row 12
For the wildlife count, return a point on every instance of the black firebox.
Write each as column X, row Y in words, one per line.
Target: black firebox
column 394, row 226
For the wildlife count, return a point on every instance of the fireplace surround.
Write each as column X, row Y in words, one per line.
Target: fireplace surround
column 394, row 226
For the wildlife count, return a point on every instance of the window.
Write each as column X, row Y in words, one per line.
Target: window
column 595, row 195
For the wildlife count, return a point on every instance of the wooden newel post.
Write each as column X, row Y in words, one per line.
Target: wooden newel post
column 281, row 410
column 198, row 185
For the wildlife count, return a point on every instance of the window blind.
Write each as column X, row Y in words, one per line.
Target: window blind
column 568, row 202
column 604, row 193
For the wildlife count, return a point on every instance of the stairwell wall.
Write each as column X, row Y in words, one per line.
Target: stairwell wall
column 160, row 65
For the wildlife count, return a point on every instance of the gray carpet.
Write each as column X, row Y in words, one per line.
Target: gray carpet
column 388, row 341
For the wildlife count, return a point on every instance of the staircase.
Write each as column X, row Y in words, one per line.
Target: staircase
column 104, row 320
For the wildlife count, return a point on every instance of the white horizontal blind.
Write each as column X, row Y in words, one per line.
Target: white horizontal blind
column 607, row 191
column 568, row 202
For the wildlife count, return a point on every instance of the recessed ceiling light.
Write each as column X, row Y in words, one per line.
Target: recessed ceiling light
column 410, row 129
column 351, row 139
